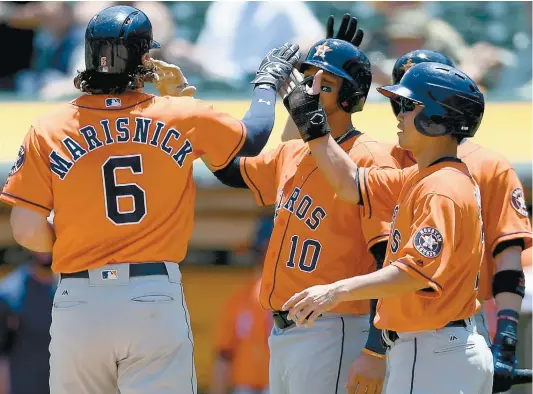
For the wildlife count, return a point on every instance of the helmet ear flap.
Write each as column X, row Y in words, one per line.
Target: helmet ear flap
column 350, row 100
column 430, row 127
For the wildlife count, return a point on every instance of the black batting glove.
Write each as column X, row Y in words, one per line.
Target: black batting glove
column 504, row 350
column 348, row 30
column 307, row 112
column 276, row 67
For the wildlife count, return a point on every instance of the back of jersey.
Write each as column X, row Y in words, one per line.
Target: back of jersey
column 117, row 172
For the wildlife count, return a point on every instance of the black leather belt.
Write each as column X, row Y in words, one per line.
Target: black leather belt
column 393, row 335
column 141, row 269
column 281, row 321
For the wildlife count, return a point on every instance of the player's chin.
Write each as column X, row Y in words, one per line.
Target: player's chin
column 402, row 140
column 401, row 136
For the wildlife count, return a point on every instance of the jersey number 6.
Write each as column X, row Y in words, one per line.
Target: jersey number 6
column 306, row 246
column 113, row 192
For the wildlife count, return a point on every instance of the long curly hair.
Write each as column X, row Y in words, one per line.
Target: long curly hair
column 93, row 82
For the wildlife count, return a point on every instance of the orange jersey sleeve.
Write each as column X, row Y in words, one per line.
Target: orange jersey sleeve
column 29, row 183
column 261, row 174
column 216, row 135
column 431, row 244
column 507, row 216
column 368, row 153
column 379, row 190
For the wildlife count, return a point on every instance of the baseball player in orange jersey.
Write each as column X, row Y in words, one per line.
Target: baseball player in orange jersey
column 317, row 238
column 102, row 163
column 507, row 232
column 365, row 372
column 428, row 286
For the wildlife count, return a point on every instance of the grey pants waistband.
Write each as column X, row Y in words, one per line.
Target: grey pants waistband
column 117, row 274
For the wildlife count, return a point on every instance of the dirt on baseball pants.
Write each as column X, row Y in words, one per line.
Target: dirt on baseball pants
column 114, row 333
column 452, row 360
column 316, row 360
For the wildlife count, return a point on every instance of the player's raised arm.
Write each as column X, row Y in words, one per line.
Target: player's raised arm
column 310, row 118
column 220, row 137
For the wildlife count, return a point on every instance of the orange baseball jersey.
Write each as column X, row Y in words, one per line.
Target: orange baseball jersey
column 504, row 210
column 317, row 237
column 436, row 237
column 117, row 172
column 243, row 336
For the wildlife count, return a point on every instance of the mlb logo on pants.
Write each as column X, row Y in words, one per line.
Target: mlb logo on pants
column 109, row 274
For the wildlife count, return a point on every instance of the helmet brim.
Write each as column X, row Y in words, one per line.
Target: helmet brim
column 155, row 45
column 394, row 92
column 326, row 67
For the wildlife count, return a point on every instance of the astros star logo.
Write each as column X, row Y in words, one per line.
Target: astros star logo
column 428, row 242
column 519, row 202
column 407, row 65
column 321, row 50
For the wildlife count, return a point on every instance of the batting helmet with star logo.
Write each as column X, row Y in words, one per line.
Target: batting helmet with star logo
column 344, row 60
column 408, row 60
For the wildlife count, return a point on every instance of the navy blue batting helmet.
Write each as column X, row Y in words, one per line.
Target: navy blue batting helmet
column 408, row 60
column 344, row 60
column 116, row 38
column 453, row 104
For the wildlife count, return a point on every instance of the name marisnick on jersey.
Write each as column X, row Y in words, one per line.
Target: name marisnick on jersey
column 105, row 134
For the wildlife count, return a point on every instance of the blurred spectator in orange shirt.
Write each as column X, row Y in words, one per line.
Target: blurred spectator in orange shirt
column 241, row 344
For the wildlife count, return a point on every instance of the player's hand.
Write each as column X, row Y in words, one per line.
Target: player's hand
column 504, row 366
column 504, row 352
column 366, row 375
column 348, row 30
column 289, row 84
column 277, row 66
column 303, row 104
column 170, row 80
column 311, row 303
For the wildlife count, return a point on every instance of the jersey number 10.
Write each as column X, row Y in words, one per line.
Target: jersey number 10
column 113, row 192
column 309, row 246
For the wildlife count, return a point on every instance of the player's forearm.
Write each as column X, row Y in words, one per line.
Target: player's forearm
column 374, row 344
column 290, row 132
column 508, row 260
column 259, row 120
column 387, row 282
column 231, row 175
column 336, row 165
column 40, row 239
column 32, row 230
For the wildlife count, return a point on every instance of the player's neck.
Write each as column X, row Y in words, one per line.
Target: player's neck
column 437, row 149
column 339, row 122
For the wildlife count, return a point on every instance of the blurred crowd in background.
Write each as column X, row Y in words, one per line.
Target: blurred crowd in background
column 220, row 44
